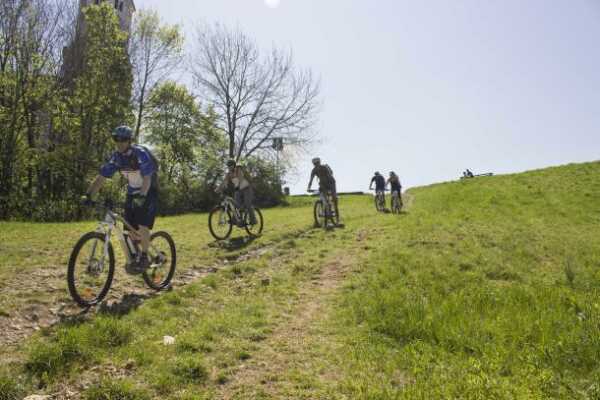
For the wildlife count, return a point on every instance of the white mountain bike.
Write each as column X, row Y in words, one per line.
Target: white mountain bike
column 92, row 263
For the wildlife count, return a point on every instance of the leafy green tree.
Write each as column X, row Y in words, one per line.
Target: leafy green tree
column 189, row 146
column 100, row 99
column 173, row 127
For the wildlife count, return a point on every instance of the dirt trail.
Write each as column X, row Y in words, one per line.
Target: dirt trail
column 295, row 342
column 42, row 301
column 290, row 345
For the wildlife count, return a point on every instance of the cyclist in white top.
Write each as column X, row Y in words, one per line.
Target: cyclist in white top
column 244, row 194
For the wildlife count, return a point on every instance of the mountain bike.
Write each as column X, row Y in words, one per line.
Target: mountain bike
column 396, row 202
column 92, row 263
column 325, row 210
column 379, row 200
column 223, row 217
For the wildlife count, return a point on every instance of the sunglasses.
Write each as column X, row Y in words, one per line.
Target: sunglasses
column 119, row 140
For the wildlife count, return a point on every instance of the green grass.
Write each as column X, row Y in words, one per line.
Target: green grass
column 115, row 390
column 43, row 250
column 218, row 321
column 486, row 289
column 489, row 290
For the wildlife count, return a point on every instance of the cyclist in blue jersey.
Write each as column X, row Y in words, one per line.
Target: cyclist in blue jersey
column 137, row 164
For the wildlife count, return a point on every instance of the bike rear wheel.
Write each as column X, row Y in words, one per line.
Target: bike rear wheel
column 334, row 214
column 254, row 229
column 163, row 259
column 90, row 274
column 219, row 223
column 379, row 202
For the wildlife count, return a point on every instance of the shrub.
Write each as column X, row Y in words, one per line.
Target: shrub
column 10, row 389
column 115, row 390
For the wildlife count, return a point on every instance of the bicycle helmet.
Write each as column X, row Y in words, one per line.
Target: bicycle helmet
column 122, row 133
column 377, row 173
column 231, row 163
column 316, row 160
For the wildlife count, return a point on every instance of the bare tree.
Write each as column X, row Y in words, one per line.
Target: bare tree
column 257, row 97
column 155, row 52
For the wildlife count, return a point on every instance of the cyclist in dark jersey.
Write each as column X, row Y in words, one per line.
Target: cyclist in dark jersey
column 326, row 180
column 138, row 165
column 379, row 181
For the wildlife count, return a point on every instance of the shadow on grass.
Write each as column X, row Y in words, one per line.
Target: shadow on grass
column 75, row 319
column 236, row 243
column 128, row 303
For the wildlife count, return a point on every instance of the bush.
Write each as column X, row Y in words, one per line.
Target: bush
column 110, row 332
column 54, row 358
column 115, row 390
column 190, row 369
column 75, row 345
column 10, row 389
column 192, row 195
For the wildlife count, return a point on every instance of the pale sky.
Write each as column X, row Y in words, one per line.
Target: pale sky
column 429, row 88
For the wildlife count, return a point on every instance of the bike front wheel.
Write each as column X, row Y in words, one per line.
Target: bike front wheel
column 254, row 229
column 319, row 214
column 219, row 223
column 91, row 270
column 163, row 259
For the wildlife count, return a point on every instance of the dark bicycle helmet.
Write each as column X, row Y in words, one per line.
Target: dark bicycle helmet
column 122, row 133
column 231, row 163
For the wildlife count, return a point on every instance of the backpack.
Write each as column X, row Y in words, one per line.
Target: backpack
column 155, row 181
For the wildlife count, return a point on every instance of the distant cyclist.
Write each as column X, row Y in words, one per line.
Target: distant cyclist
column 244, row 194
column 138, row 165
column 379, row 182
column 395, row 185
column 326, row 181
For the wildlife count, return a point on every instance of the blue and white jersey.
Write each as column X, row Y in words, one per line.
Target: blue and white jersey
column 134, row 165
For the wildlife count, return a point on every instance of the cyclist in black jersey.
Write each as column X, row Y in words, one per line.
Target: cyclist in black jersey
column 326, row 180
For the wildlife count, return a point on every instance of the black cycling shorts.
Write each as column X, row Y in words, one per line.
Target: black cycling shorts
column 144, row 215
column 331, row 187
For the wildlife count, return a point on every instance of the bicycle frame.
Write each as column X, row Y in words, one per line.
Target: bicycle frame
column 107, row 226
column 326, row 199
column 380, row 196
column 229, row 205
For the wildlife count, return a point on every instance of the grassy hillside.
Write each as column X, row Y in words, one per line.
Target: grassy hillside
column 490, row 289
column 487, row 288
